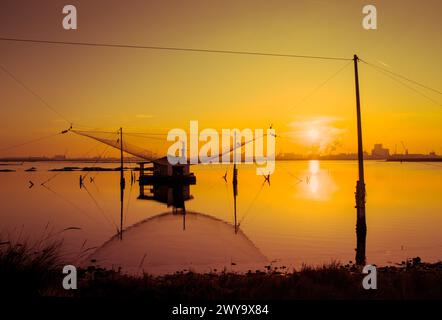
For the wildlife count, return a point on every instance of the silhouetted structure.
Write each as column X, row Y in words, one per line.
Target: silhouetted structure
column 162, row 172
column 361, row 226
column 379, row 152
column 169, row 184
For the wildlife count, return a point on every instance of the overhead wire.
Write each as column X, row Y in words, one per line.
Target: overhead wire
column 111, row 222
column 32, row 92
column 29, row 142
column 96, row 161
column 52, row 177
column 251, row 204
column 391, row 76
column 322, row 84
column 401, row 76
column 69, row 202
column 166, row 48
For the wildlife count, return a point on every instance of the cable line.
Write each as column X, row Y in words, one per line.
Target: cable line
column 99, row 158
column 52, row 177
column 69, row 202
column 404, row 84
column 131, row 46
column 320, row 85
column 29, row 142
column 251, row 204
column 400, row 76
column 111, row 222
column 21, row 83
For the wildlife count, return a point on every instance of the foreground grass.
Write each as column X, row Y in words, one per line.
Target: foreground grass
column 29, row 269
column 332, row 281
column 36, row 271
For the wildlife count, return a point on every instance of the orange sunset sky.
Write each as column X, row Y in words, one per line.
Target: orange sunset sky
column 154, row 91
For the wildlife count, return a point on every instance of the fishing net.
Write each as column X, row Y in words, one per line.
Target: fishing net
column 113, row 139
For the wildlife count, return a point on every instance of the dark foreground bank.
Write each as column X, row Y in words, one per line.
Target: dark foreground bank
column 36, row 271
column 332, row 281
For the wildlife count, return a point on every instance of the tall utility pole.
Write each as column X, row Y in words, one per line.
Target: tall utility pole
column 122, row 183
column 361, row 227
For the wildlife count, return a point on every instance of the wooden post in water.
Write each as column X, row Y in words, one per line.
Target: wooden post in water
column 361, row 227
column 235, row 194
column 235, row 182
column 122, row 183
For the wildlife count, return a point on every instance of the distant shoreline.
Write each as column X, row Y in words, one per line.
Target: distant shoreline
column 21, row 161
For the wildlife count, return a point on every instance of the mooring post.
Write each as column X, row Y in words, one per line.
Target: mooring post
column 122, row 183
column 361, row 227
column 235, row 182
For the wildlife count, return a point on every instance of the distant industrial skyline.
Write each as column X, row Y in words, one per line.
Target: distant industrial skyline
column 378, row 152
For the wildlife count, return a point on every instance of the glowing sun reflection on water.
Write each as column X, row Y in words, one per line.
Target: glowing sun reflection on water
column 316, row 184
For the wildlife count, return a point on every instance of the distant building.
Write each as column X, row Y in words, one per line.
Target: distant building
column 379, row 152
column 59, row 157
column 289, row 156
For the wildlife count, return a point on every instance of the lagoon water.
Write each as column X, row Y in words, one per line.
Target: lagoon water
column 306, row 215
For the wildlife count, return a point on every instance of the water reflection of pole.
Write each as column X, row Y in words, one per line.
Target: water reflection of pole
column 235, row 182
column 122, row 183
column 181, row 188
column 184, row 220
column 235, row 193
column 361, row 227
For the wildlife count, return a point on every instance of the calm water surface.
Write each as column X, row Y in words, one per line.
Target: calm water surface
column 305, row 215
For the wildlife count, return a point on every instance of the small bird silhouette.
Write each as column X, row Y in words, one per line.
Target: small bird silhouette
column 225, row 176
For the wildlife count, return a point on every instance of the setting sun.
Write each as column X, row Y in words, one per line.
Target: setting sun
column 313, row 134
